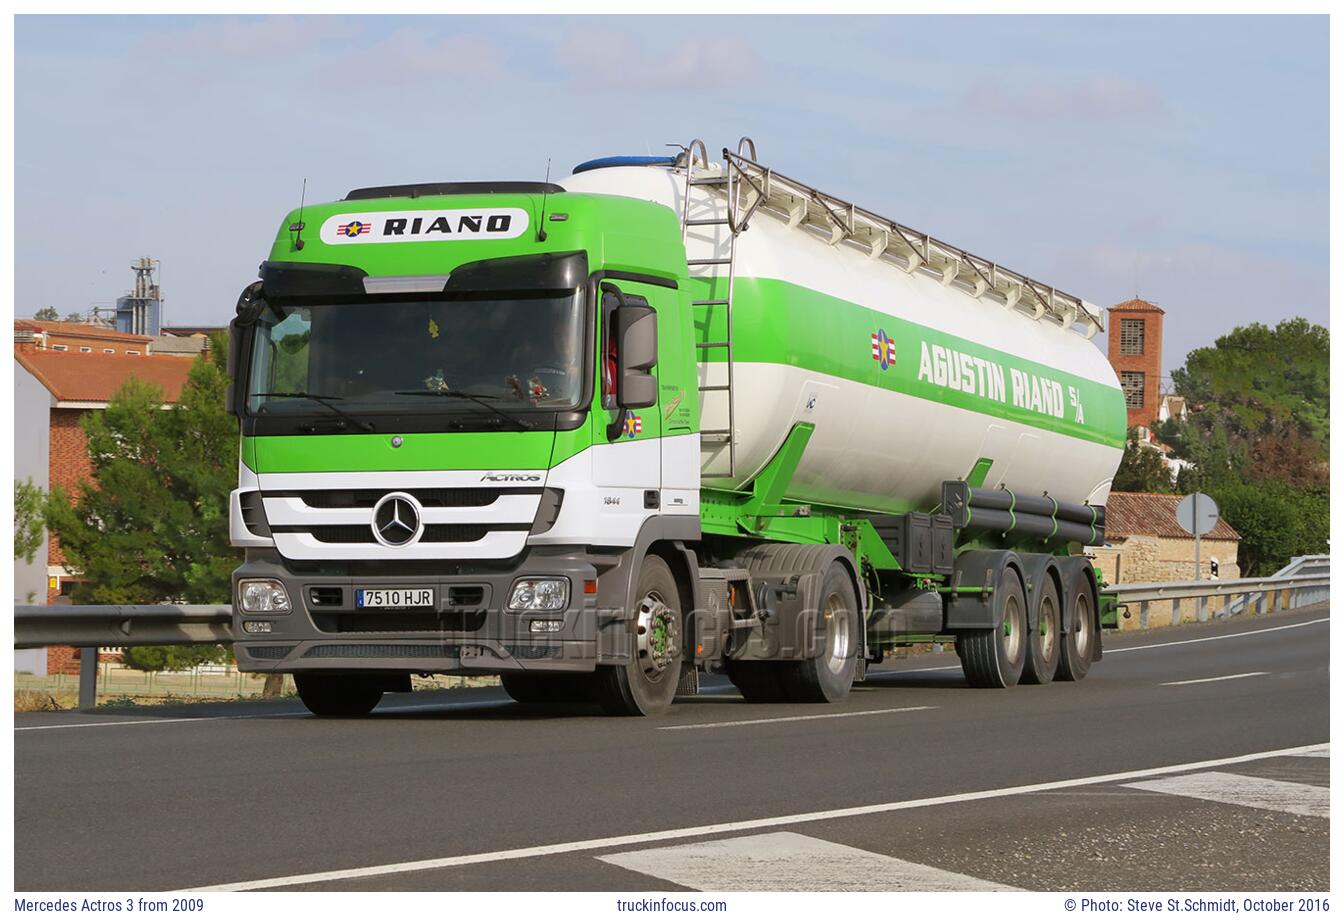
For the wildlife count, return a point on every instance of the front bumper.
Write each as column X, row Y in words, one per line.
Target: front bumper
column 467, row 631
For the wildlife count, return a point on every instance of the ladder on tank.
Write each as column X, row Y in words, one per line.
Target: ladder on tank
column 719, row 267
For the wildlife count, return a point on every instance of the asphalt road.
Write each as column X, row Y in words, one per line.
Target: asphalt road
column 1190, row 759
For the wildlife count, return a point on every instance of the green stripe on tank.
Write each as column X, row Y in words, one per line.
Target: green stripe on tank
column 776, row 322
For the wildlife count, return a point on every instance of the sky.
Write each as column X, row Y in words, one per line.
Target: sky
column 1179, row 158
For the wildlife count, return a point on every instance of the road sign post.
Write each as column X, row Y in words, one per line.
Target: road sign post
column 1197, row 514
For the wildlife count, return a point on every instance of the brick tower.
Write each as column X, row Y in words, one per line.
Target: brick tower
column 1134, row 348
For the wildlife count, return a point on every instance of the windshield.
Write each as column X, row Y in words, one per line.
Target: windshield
column 519, row 352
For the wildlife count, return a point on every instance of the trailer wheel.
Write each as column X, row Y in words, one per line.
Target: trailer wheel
column 646, row 685
column 548, row 688
column 828, row 677
column 995, row 657
column 338, row 695
column 1075, row 658
column 1043, row 646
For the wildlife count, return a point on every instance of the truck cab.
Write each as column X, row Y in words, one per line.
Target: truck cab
column 463, row 408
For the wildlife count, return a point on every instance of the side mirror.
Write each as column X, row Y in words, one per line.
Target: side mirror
column 637, row 352
column 250, row 307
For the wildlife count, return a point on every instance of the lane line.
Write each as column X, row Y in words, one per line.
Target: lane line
column 1209, row 680
column 484, row 704
column 1322, row 751
column 1249, row 791
column 828, row 715
column 1239, row 635
column 730, row 827
column 785, row 861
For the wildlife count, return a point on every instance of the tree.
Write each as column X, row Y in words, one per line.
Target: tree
column 153, row 525
column 29, row 507
column 1276, row 521
column 173, row 657
column 1257, row 383
column 74, row 317
column 1142, row 469
column 47, row 313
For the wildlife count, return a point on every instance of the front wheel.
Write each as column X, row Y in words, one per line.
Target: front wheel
column 551, row 688
column 646, row 685
column 338, row 696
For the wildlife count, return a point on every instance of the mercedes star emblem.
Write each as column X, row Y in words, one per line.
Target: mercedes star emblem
column 396, row 519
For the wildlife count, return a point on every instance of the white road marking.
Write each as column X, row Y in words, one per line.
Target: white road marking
column 1322, row 751
column 1250, row 791
column 826, row 715
column 732, row 827
column 1209, row 680
column 482, row 704
column 785, row 861
column 1238, row 635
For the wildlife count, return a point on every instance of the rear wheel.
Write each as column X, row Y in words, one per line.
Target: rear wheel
column 828, row 677
column 1043, row 647
column 339, row 695
column 548, row 688
column 1080, row 642
column 646, row 685
column 995, row 657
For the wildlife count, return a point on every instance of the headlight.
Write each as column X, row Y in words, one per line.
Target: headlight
column 539, row 594
column 262, row 595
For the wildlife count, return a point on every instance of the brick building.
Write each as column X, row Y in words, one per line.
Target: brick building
column 53, row 390
column 79, row 338
column 1134, row 348
column 1144, row 543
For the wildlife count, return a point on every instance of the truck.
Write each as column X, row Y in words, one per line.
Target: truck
column 665, row 417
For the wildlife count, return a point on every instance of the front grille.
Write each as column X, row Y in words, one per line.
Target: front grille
column 401, row 621
column 533, row 651
column 428, row 498
column 366, row 650
column 434, row 533
column 269, row 652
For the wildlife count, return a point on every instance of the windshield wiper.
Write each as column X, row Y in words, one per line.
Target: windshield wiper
column 325, row 402
column 478, row 398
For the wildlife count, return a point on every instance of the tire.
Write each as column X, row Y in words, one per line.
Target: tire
column 646, row 685
column 995, row 657
column 1043, row 644
column 1075, row 658
column 828, row 677
column 338, row 696
column 758, row 681
column 539, row 689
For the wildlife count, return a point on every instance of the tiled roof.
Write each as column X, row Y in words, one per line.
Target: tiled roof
column 1150, row 514
column 73, row 377
column 85, row 330
column 1136, row 304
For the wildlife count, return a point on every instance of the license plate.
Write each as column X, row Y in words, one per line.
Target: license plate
column 394, row 597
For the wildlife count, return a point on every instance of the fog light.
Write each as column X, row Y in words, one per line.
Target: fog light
column 539, row 594
column 546, row 626
column 262, row 595
column 256, row 626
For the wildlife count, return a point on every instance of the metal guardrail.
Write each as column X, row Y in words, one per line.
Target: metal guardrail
column 102, row 625
column 1243, row 594
column 95, row 626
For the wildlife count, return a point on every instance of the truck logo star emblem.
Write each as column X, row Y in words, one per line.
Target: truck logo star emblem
column 397, row 520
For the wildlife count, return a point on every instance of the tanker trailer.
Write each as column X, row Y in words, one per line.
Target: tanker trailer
column 662, row 418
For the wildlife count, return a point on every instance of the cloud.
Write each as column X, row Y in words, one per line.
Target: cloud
column 407, row 54
column 1096, row 97
column 616, row 60
column 264, row 37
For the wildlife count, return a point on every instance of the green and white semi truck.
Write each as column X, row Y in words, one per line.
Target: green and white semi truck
column 664, row 417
